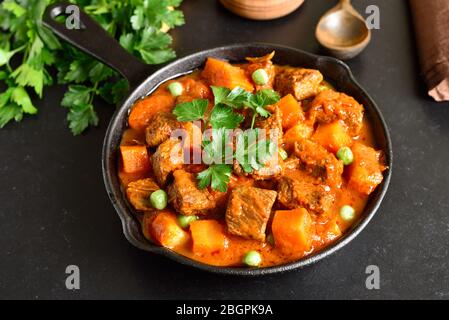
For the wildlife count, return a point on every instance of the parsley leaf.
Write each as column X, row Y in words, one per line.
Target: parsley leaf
column 76, row 95
column 26, row 75
column 223, row 117
column 264, row 98
column 140, row 26
column 217, row 176
column 80, row 117
column 217, row 148
column 235, row 98
column 10, row 112
column 21, row 98
column 253, row 153
column 191, row 111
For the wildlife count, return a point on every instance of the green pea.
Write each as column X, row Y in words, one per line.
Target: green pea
column 270, row 239
column 347, row 213
column 260, row 77
column 252, row 259
column 283, row 154
column 185, row 221
column 345, row 154
column 175, row 88
column 158, row 199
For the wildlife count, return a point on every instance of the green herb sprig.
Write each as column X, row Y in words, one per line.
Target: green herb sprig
column 29, row 51
column 221, row 117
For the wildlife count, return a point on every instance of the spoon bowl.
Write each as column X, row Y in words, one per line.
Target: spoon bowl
column 343, row 31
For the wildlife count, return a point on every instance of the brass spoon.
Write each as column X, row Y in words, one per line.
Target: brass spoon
column 343, row 31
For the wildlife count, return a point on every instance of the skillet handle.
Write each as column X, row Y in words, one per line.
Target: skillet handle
column 88, row 36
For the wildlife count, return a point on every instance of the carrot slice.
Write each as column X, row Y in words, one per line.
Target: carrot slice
column 296, row 133
column 208, row 236
column 332, row 136
column 135, row 159
column 293, row 231
column 291, row 111
column 143, row 110
column 165, row 230
column 222, row 74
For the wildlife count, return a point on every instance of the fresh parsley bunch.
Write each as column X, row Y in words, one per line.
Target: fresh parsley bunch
column 29, row 52
column 223, row 117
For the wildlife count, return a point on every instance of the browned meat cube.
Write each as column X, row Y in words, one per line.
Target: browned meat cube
column 138, row 193
column 329, row 106
column 265, row 64
column 272, row 169
column 168, row 157
column 272, row 125
column 319, row 162
column 301, row 83
column 161, row 126
column 185, row 196
column 300, row 189
column 248, row 212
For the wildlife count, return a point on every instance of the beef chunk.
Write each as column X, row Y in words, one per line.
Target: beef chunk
column 330, row 106
column 248, row 212
column 168, row 157
column 300, row 189
column 301, row 83
column 319, row 162
column 272, row 125
column 160, row 128
column 185, row 196
column 138, row 193
column 265, row 64
column 273, row 168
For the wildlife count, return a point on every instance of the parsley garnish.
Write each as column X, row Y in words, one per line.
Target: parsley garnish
column 140, row 26
column 253, row 152
column 191, row 111
column 217, row 176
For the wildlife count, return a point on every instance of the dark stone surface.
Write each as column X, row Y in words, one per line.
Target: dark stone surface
column 55, row 212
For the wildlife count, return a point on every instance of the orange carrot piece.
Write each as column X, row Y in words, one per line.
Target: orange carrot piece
column 296, row 133
column 291, row 111
column 208, row 236
column 143, row 110
column 365, row 173
column 135, row 159
column 222, row 74
column 165, row 230
column 293, row 231
column 332, row 136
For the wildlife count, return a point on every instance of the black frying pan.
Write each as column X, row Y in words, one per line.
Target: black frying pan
column 143, row 79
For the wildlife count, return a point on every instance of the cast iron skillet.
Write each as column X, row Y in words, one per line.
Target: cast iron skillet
column 143, row 79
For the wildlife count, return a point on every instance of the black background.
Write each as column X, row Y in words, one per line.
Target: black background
column 54, row 210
